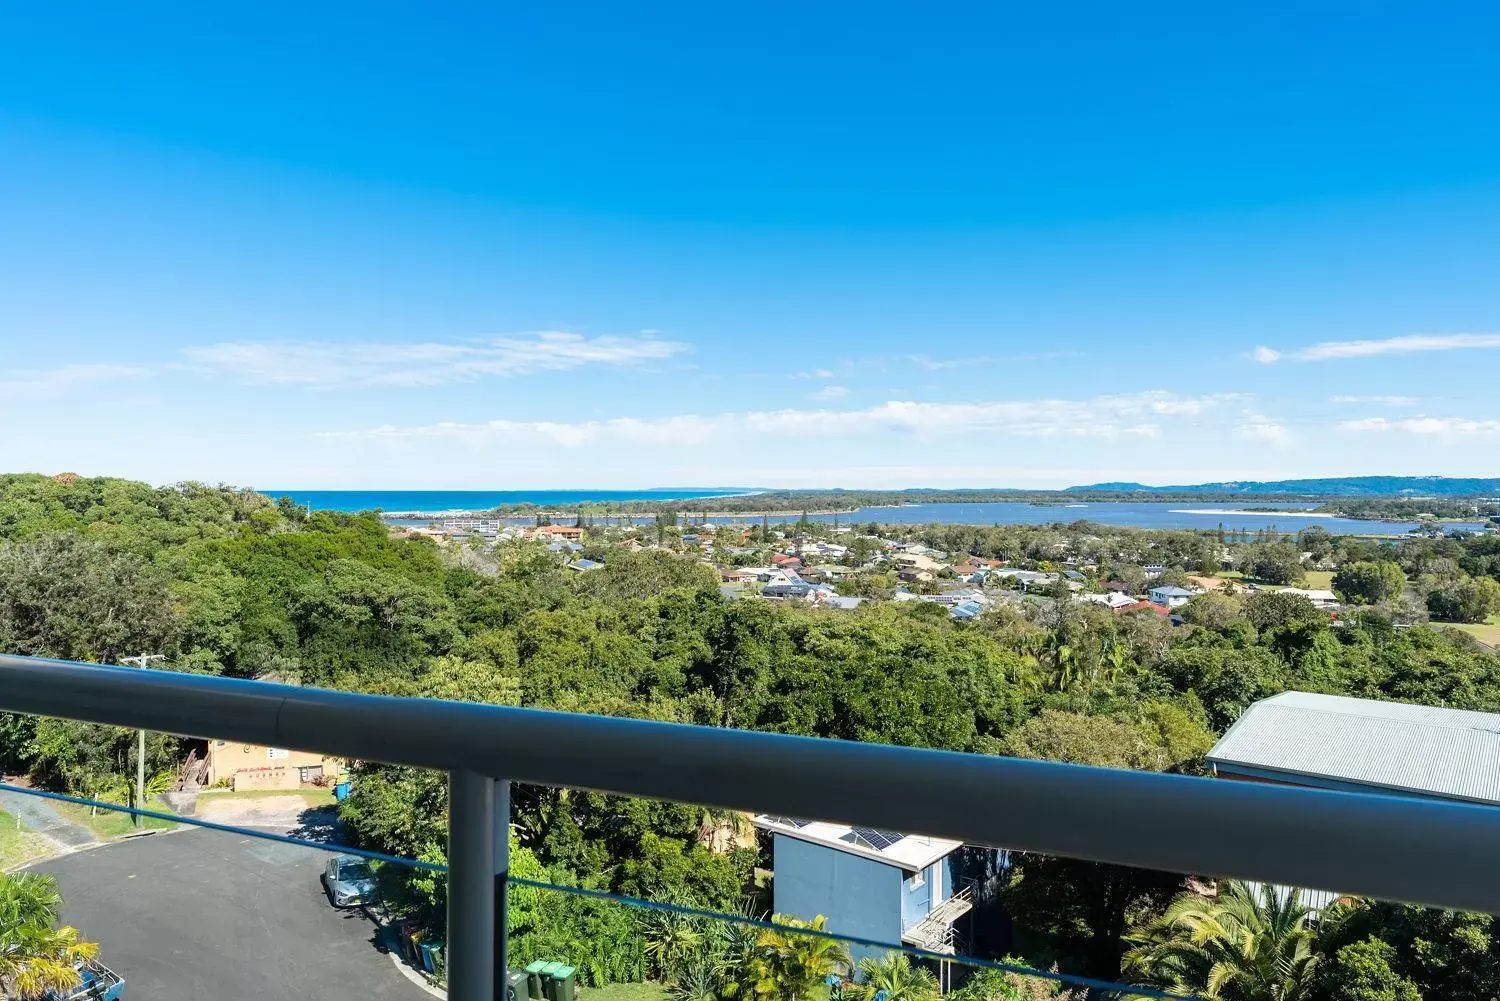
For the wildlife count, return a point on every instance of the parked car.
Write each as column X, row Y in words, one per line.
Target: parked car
column 349, row 880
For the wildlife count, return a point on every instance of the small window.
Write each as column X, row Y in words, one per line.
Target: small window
column 917, row 880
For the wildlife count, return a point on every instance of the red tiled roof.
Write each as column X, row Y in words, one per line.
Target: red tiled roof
column 1144, row 606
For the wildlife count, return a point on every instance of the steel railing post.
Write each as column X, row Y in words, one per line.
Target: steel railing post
column 502, row 887
column 469, row 958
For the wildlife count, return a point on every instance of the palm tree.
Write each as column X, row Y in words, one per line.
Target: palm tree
column 792, row 967
column 36, row 957
column 736, row 948
column 1117, row 656
column 670, row 939
column 894, row 975
column 1239, row 946
column 698, row 981
column 724, row 830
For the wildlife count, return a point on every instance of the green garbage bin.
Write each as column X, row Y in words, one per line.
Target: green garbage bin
column 561, row 983
column 549, row 972
column 516, row 985
column 534, row 979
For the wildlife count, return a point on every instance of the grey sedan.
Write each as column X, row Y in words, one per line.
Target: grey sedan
column 348, row 880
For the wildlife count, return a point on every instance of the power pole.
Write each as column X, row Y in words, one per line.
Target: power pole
column 142, row 661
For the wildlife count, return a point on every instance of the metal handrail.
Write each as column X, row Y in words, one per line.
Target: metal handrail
column 1359, row 844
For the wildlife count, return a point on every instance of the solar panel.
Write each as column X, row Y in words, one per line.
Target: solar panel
column 877, row 839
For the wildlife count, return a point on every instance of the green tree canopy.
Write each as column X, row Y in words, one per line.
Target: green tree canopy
column 1369, row 582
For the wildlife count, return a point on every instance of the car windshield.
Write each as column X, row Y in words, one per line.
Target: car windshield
column 355, row 870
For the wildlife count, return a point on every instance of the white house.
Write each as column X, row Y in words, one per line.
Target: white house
column 1113, row 600
column 1171, row 596
column 1318, row 596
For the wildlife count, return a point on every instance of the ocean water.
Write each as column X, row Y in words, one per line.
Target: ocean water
column 1140, row 514
column 445, row 501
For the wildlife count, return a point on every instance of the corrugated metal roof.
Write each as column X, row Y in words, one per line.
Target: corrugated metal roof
column 1425, row 750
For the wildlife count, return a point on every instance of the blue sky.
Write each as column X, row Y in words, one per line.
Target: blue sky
column 869, row 244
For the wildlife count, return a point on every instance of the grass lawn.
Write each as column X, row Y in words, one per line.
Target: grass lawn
column 1319, row 580
column 623, row 992
column 1485, row 632
column 109, row 824
column 314, row 798
column 19, row 845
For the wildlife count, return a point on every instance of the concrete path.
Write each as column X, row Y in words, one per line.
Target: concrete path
column 43, row 817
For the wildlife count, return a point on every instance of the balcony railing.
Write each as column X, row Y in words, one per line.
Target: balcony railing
column 1365, row 845
column 935, row 931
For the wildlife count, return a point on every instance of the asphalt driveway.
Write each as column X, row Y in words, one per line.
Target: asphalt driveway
column 212, row 915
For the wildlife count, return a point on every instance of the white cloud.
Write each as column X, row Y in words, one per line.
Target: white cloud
column 1390, row 401
column 67, row 378
column 1369, row 348
column 1105, row 417
column 830, row 393
column 1423, row 425
column 940, row 364
column 1259, row 427
column 329, row 364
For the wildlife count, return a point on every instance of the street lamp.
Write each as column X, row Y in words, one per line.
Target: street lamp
column 142, row 661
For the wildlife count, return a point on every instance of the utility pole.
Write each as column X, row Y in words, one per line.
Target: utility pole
column 143, row 661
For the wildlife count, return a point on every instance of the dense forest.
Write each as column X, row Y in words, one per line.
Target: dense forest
column 227, row 581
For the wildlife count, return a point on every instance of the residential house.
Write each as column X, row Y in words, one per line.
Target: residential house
column 1023, row 578
column 966, row 610
column 960, row 595
column 1117, row 586
column 846, row 603
column 912, row 576
column 917, row 561
column 252, row 766
column 1112, row 600
column 1363, row 745
column 581, row 564
column 1143, row 606
column 1154, row 569
column 1170, row 595
column 883, row 886
column 571, row 533
column 788, row 591
column 1319, row 597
